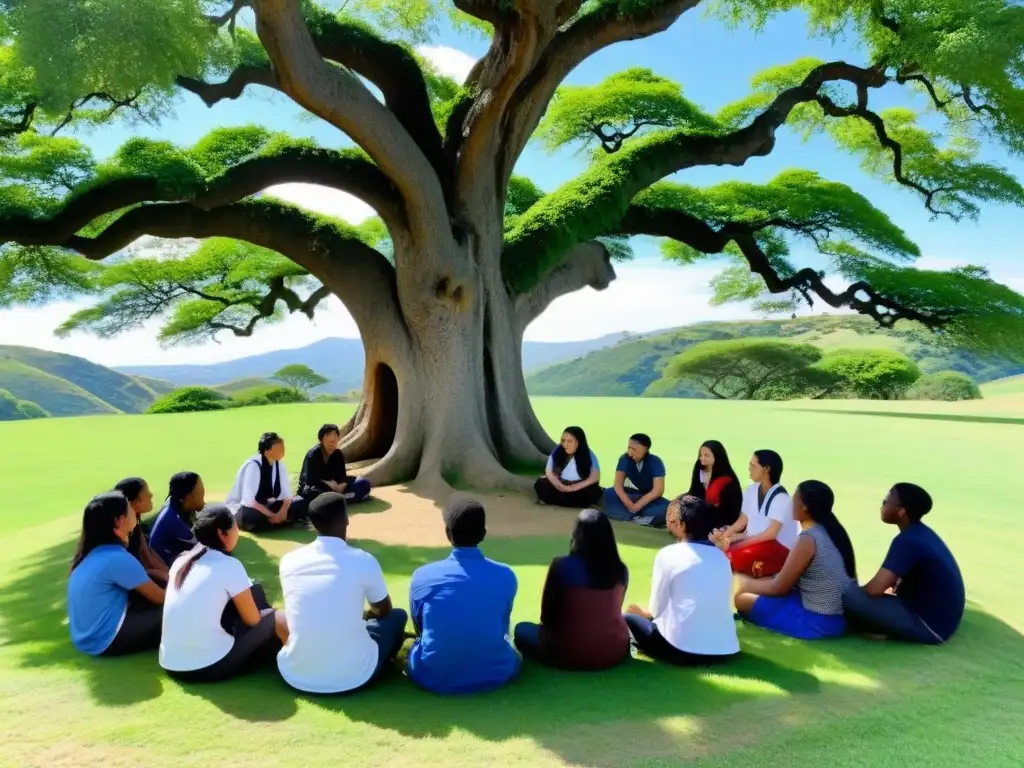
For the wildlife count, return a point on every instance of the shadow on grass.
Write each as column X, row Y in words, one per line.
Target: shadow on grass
column 970, row 418
column 604, row 718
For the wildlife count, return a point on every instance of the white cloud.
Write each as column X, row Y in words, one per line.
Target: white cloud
column 330, row 202
column 449, row 61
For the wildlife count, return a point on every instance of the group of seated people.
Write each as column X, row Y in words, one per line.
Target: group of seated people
column 183, row 593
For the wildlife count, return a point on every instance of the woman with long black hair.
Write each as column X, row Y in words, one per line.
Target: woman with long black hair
column 217, row 623
column 572, row 477
column 714, row 480
column 113, row 604
column 136, row 490
column 805, row 599
column 581, row 624
column 172, row 530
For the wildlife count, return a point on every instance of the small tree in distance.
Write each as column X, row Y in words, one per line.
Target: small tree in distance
column 752, row 369
column 300, row 377
column 872, row 374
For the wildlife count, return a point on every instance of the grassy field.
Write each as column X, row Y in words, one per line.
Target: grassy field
column 852, row 702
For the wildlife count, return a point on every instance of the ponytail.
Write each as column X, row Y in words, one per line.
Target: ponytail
column 209, row 523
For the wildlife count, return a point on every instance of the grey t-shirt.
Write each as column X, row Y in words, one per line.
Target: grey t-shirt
column 822, row 584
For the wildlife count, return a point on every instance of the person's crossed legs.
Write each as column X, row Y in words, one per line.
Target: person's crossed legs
column 886, row 615
column 388, row 633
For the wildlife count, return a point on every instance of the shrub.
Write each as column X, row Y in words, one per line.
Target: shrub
column 189, row 400
column 13, row 409
column 945, row 385
column 871, row 374
column 30, row 410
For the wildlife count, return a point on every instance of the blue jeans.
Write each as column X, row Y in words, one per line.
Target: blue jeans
column 389, row 634
column 886, row 615
column 616, row 510
column 357, row 490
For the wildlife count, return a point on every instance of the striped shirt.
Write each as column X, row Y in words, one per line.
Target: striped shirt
column 821, row 585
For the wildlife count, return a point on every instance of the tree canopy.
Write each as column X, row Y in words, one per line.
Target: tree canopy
column 462, row 253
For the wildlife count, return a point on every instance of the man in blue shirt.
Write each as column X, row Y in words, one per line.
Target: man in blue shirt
column 638, row 495
column 918, row 593
column 461, row 608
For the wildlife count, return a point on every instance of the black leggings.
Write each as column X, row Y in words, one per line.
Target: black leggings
column 650, row 642
column 254, row 646
column 254, row 521
column 581, row 499
column 140, row 630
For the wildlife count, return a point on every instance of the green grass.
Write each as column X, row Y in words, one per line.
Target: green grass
column 851, row 702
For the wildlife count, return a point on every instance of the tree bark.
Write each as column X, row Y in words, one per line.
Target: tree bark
column 444, row 398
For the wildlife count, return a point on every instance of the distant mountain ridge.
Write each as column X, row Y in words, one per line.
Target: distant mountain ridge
column 340, row 360
column 634, row 367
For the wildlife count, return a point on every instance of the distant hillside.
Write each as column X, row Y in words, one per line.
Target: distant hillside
column 245, row 385
column 157, row 386
column 632, row 368
column 1011, row 385
column 57, row 396
column 340, row 360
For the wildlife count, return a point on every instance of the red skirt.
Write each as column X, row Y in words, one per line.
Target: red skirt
column 765, row 558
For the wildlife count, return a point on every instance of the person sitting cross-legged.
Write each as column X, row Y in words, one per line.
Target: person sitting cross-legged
column 805, row 599
column 323, row 470
column 638, row 493
column 333, row 646
column 581, row 624
column 461, row 608
column 572, row 476
column 136, row 490
column 918, row 593
column 113, row 605
column 260, row 498
column 690, row 619
column 759, row 542
column 217, row 622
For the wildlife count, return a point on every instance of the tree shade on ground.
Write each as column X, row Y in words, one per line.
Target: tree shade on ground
column 464, row 254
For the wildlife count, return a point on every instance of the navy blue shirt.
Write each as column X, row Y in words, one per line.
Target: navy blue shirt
column 461, row 607
column 641, row 476
column 170, row 535
column 930, row 582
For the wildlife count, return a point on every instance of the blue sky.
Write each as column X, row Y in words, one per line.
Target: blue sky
column 714, row 66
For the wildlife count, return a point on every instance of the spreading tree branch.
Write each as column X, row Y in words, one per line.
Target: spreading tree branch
column 267, row 306
column 239, row 79
column 20, row 121
column 572, row 45
column 688, row 229
column 589, row 264
column 336, row 95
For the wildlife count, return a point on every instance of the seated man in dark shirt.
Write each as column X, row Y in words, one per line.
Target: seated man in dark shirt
column 323, row 470
column 918, row 594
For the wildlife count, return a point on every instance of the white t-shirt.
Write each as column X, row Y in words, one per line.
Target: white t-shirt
column 326, row 585
column 780, row 509
column 247, row 483
column 691, row 599
column 570, row 473
column 192, row 637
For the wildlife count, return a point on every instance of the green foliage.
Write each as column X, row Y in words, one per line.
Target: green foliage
column 300, row 378
column 751, row 369
column 619, row 107
column 269, row 396
column 190, row 400
column 120, row 47
column 944, row 385
column 38, row 275
column 13, row 409
column 522, row 194
column 635, row 367
column 871, row 374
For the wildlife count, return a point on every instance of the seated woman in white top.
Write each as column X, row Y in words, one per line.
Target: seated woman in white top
column 217, row 624
column 572, row 477
column 260, row 497
column 690, row 621
column 759, row 542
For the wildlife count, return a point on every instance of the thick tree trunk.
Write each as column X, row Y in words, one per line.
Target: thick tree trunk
column 444, row 400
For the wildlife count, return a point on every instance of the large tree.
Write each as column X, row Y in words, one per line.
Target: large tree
column 465, row 254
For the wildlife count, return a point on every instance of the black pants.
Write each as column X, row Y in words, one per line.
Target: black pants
column 650, row 642
column 254, row 521
column 581, row 499
column 140, row 630
column 254, row 646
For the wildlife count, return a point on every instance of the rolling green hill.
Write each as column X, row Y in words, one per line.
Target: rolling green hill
column 1011, row 385
column 634, row 367
column 239, row 386
column 56, row 395
column 156, row 386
